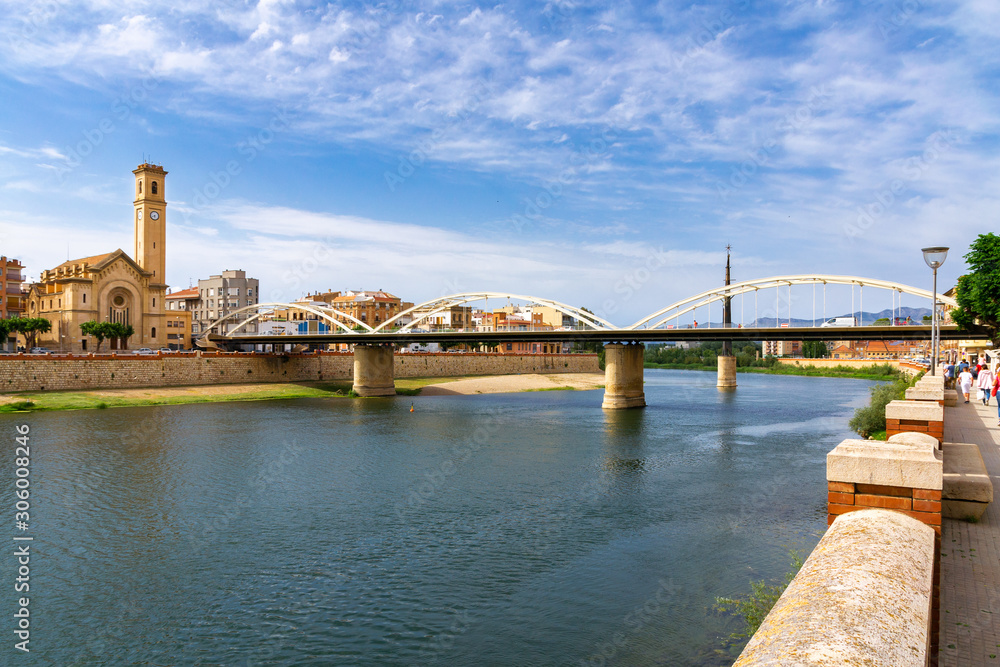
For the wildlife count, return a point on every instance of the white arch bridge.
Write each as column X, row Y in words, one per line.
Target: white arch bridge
column 751, row 297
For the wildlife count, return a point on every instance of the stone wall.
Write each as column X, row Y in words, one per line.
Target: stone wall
column 36, row 373
column 862, row 598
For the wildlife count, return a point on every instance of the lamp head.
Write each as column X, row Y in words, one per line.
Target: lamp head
column 935, row 256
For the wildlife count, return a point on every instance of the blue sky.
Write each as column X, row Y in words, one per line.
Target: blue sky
column 601, row 155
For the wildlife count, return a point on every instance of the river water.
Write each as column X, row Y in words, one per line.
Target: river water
column 521, row 529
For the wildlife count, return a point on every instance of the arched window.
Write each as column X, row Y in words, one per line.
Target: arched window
column 140, row 187
column 153, row 190
column 153, row 333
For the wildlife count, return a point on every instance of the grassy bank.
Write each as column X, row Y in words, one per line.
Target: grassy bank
column 38, row 401
column 873, row 372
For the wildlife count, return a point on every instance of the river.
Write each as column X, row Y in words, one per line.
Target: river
column 517, row 529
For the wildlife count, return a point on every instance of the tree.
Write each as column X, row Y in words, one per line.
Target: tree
column 99, row 330
column 881, row 322
column 978, row 292
column 30, row 327
column 814, row 349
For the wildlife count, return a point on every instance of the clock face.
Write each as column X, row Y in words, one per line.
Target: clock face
column 153, row 215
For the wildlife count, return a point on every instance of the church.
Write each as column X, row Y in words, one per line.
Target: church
column 112, row 287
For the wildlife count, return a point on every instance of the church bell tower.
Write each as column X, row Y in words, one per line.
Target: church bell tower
column 151, row 221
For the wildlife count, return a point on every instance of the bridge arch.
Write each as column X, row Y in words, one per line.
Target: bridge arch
column 430, row 308
column 684, row 306
column 324, row 313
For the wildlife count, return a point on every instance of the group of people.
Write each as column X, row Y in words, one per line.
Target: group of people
column 984, row 377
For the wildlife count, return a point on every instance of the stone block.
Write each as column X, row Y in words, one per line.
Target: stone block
column 908, row 460
column 965, row 474
column 914, row 410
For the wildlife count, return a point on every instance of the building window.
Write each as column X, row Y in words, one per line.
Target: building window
column 154, row 302
column 153, row 189
column 153, row 333
column 85, row 301
column 140, row 187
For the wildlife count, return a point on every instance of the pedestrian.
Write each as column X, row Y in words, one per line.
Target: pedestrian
column 949, row 376
column 996, row 386
column 965, row 382
column 985, row 383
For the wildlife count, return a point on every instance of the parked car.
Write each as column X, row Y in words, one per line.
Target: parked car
column 39, row 350
column 144, row 350
column 164, row 350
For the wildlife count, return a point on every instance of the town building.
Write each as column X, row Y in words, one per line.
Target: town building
column 370, row 307
column 781, row 348
column 179, row 314
column 11, row 277
column 221, row 296
column 112, row 287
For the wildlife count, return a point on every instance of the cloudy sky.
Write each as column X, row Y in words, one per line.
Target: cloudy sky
column 601, row 154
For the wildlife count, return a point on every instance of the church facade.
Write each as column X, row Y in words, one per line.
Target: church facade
column 112, row 287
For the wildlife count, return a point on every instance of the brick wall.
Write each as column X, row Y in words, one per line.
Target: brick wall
column 35, row 373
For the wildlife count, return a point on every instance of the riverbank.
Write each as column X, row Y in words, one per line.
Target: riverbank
column 873, row 372
column 119, row 398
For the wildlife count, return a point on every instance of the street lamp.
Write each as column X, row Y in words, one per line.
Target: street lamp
column 935, row 257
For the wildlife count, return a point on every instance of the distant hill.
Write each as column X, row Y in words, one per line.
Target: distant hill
column 867, row 318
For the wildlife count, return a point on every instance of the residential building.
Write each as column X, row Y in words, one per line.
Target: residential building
column 372, row 308
column 11, row 277
column 179, row 316
column 221, row 296
column 782, row 348
column 111, row 287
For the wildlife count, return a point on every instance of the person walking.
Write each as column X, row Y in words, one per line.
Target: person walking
column 985, row 382
column 965, row 382
column 996, row 388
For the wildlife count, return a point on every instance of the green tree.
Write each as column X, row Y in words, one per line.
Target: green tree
column 30, row 327
column 99, row 330
column 882, row 322
column 978, row 293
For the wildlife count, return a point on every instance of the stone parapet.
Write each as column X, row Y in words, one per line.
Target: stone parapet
column 863, row 597
column 925, row 417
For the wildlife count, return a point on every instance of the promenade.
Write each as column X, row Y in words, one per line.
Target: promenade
column 970, row 554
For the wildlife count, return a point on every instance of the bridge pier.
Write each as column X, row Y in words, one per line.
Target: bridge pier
column 623, row 376
column 373, row 370
column 727, row 373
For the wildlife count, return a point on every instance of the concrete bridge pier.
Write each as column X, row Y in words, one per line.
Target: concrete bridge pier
column 623, row 376
column 727, row 374
column 373, row 370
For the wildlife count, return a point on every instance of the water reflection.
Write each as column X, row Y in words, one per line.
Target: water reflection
column 534, row 548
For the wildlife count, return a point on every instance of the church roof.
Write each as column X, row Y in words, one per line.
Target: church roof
column 95, row 259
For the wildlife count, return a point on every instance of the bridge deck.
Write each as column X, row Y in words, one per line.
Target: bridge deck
column 616, row 335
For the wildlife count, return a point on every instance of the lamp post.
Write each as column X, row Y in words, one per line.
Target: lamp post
column 935, row 257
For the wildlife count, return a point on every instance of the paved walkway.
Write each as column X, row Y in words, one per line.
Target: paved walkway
column 970, row 554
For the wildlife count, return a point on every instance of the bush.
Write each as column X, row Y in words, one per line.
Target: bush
column 871, row 418
column 755, row 606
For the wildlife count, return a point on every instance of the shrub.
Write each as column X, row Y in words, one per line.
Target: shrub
column 871, row 418
column 755, row 606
